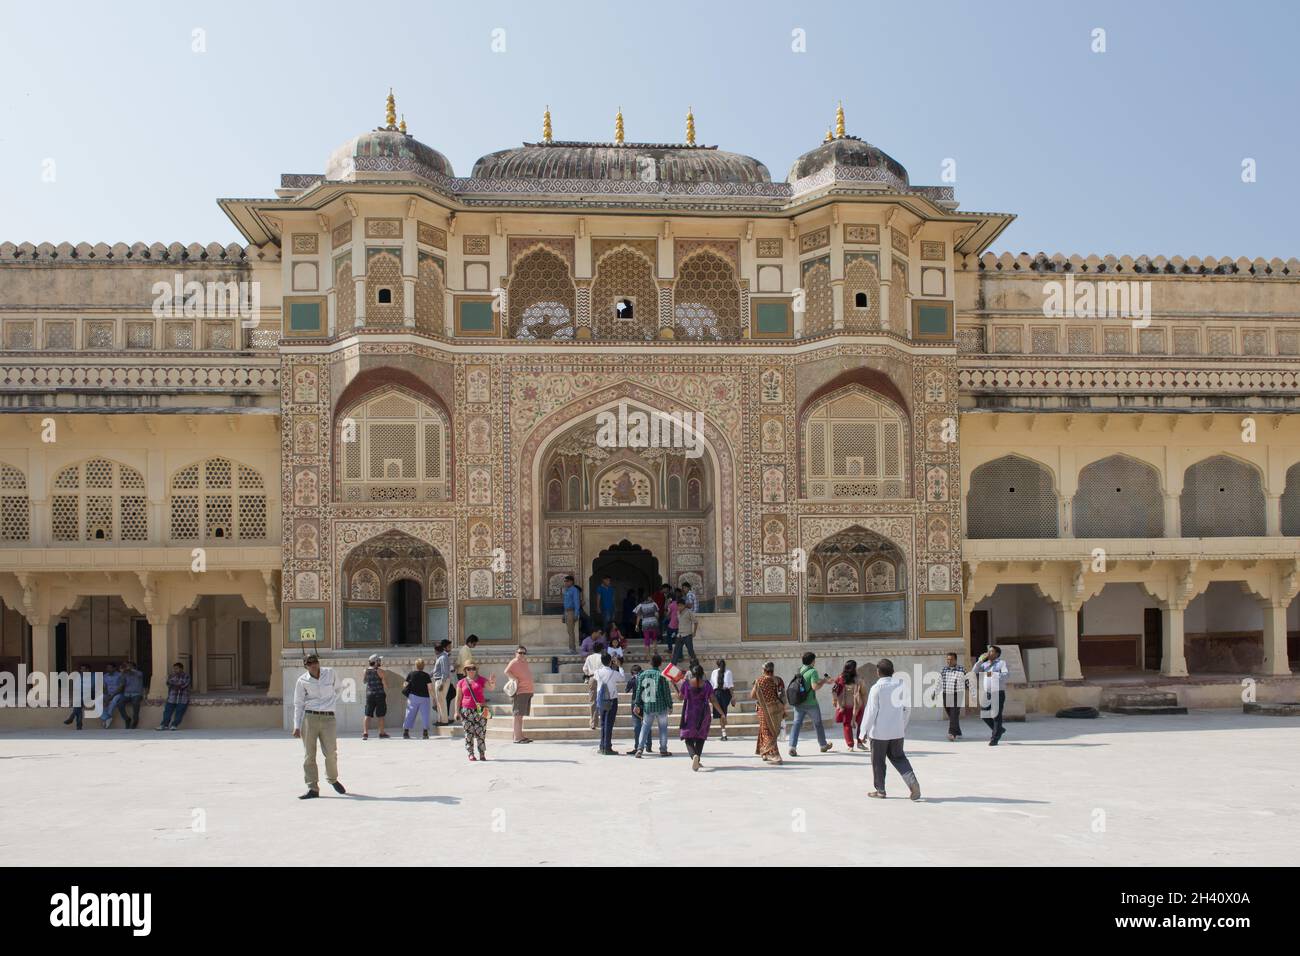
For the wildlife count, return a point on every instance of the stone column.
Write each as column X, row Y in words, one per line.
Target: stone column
column 274, row 687
column 1065, row 519
column 359, row 292
column 665, row 309
column 199, row 655
column 1173, row 517
column 1276, row 662
column 885, row 283
column 42, row 647
column 1067, row 641
column 162, row 640
column 837, row 304
column 408, row 301
column 582, row 303
column 1173, row 661
column 1273, row 516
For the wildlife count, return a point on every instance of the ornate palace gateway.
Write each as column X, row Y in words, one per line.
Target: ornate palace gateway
column 387, row 419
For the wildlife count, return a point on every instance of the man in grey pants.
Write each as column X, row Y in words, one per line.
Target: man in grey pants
column 885, row 723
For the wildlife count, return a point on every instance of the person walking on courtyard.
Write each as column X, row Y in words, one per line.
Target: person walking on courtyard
column 952, row 684
column 464, row 657
column 609, row 680
column 605, row 601
column 672, row 606
column 637, row 721
column 314, row 698
column 572, row 609
column 132, row 694
column 805, row 704
column 590, row 665
column 768, row 692
column 993, row 676
column 83, row 690
column 724, row 689
column 697, row 704
column 113, row 682
column 519, row 688
column 647, row 621
column 850, row 695
column 885, row 724
column 416, row 689
column 444, row 688
column 652, row 699
column 376, row 696
column 178, row 698
column 472, row 696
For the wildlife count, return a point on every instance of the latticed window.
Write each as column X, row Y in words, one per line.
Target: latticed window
column 861, row 295
column 15, row 508
column 1291, row 502
column 624, row 275
column 819, row 308
column 345, row 294
column 1119, row 497
column 1011, row 497
column 853, row 447
column 393, row 447
column 384, row 275
column 1222, row 498
column 99, row 500
column 707, row 298
column 541, row 297
column 429, row 303
column 217, row 500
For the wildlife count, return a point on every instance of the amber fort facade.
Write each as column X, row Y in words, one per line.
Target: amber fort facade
column 393, row 441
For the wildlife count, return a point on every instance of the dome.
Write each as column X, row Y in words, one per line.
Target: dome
column 679, row 164
column 851, row 152
column 386, row 154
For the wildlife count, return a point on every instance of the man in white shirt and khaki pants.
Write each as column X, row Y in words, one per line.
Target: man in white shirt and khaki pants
column 314, row 699
column 885, row 723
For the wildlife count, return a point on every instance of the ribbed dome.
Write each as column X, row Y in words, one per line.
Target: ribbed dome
column 673, row 163
column 386, row 153
column 853, row 152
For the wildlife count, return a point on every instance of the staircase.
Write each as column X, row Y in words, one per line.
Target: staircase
column 562, row 711
column 1142, row 703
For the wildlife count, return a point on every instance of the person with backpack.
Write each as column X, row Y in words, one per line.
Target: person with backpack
column 802, row 694
column 609, row 679
column 647, row 621
column 636, row 714
column 651, row 701
column 376, row 697
column 884, row 724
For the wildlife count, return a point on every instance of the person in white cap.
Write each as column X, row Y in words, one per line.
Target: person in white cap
column 376, row 697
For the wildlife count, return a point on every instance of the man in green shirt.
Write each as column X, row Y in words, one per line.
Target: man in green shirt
column 809, row 708
column 651, row 701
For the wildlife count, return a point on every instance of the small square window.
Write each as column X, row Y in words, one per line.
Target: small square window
column 384, row 296
column 624, row 309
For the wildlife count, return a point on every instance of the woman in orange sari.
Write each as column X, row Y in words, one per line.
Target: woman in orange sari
column 769, row 692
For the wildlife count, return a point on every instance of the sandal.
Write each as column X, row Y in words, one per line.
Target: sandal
column 383, row 736
column 365, row 736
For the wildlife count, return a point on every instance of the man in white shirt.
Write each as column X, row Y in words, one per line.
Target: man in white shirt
column 885, row 723
column 609, row 681
column 589, row 668
column 724, row 688
column 993, row 677
column 314, row 699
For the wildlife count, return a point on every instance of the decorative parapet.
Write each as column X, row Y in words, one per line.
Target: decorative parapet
column 167, row 377
column 987, row 375
column 137, row 252
column 1121, row 265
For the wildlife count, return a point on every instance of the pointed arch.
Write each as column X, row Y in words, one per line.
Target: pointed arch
column 1012, row 497
column 99, row 500
column 541, row 296
column 1119, row 497
column 706, row 297
column 624, row 273
column 216, row 499
column 1223, row 497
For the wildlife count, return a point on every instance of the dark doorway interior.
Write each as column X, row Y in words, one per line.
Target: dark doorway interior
column 630, row 568
column 61, row 662
column 142, row 649
column 405, row 605
column 979, row 633
column 1152, row 639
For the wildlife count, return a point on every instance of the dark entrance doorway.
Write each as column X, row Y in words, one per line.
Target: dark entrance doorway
column 1152, row 638
column 979, row 633
column 142, row 649
column 405, row 610
column 631, row 569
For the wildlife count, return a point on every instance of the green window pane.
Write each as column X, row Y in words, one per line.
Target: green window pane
column 305, row 317
column 476, row 317
column 773, row 318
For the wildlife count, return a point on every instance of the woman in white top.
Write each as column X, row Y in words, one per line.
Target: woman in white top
column 723, row 687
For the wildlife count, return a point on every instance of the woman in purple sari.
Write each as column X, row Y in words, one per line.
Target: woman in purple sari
column 697, row 711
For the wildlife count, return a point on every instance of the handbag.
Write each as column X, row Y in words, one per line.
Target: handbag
column 512, row 687
column 479, row 705
column 603, row 700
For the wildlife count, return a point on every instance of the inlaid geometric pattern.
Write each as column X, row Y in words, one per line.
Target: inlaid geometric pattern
column 819, row 314
column 861, row 278
column 219, row 499
column 98, row 503
column 384, row 272
column 541, row 297
column 624, row 275
column 707, row 298
column 430, row 301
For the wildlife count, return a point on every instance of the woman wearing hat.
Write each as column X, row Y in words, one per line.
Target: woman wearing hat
column 472, row 691
column 376, row 697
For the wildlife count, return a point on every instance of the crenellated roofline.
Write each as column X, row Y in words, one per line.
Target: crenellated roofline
column 213, row 252
column 1039, row 262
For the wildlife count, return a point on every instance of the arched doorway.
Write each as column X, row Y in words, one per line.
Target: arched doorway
column 394, row 592
column 633, row 571
column 857, row 587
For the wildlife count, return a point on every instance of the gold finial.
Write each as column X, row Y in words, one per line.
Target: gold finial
column 690, row 127
column 839, row 121
column 829, row 137
column 618, row 127
column 402, row 125
column 390, row 114
column 546, row 125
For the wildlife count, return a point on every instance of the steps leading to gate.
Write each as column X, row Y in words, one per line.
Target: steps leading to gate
column 1141, row 703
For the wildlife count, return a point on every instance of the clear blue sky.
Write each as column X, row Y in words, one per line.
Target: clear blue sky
column 1135, row 150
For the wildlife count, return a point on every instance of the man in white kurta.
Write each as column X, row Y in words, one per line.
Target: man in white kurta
column 884, row 724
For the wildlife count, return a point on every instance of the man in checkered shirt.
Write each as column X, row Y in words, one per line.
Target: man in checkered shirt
column 952, row 681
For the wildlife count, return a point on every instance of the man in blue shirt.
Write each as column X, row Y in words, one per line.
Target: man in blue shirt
column 572, row 608
column 113, row 682
column 132, row 694
column 605, row 601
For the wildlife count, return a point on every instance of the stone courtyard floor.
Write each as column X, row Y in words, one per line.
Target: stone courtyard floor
column 1210, row 788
